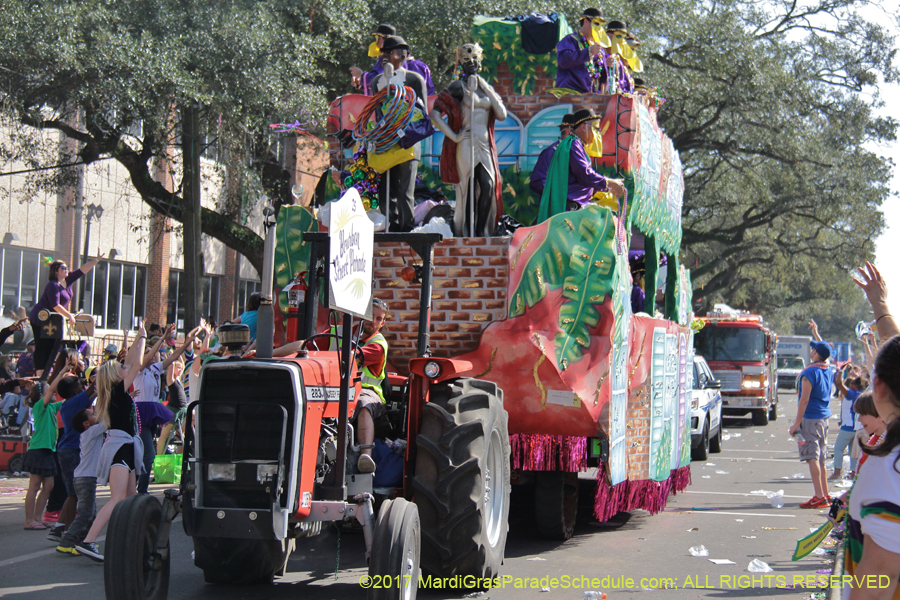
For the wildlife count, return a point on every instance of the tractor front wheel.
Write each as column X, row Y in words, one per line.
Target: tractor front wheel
column 396, row 547
column 462, row 479
column 134, row 567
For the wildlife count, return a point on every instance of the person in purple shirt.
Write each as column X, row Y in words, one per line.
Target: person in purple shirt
column 624, row 81
column 583, row 179
column 571, row 174
column 539, row 174
column 579, row 64
column 366, row 82
column 56, row 298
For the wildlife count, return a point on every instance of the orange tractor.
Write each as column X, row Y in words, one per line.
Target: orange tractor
column 270, row 456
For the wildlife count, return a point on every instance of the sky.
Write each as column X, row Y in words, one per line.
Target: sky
column 888, row 245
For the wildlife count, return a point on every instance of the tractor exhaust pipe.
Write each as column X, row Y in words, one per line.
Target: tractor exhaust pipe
column 265, row 328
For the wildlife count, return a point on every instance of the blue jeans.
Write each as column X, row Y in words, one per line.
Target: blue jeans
column 149, row 455
column 86, row 510
column 68, row 462
column 844, row 442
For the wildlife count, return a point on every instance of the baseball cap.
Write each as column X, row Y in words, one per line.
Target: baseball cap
column 30, row 342
column 112, row 349
column 823, row 349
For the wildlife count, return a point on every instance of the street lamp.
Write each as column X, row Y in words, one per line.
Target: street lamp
column 91, row 212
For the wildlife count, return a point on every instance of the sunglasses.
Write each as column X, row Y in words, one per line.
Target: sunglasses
column 63, row 268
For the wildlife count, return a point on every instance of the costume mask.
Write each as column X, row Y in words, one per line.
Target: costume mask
column 634, row 61
column 468, row 59
column 598, row 33
column 374, row 50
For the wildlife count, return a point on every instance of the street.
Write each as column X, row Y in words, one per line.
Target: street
column 633, row 558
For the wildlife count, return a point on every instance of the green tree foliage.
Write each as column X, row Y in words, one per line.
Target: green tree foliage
column 110, row 76
column 771, row 106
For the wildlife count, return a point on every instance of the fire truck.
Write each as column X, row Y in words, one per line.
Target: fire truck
column 740, row 349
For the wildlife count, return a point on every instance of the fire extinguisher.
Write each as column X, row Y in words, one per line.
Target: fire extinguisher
column 296, row 291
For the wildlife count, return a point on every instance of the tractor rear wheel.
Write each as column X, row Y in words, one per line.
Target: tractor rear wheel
column 239, row 561
column 555, row 504
column 132, row 567
column 396, row 547
column 462, row 479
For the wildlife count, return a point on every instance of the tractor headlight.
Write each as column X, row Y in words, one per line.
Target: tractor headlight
column 220, row 472
column 432, row 370
column 266, row 472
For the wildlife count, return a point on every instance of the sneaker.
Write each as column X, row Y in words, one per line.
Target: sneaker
column 56, row 534
column 815, row 502
column 70, row 550
column 51, row 517
column 836, row 476
column 91, row 550
column 365, row 464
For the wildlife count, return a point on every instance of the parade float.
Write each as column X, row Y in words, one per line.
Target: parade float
column 545, row 312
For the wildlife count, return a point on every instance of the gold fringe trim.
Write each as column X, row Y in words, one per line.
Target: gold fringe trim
column 537, row 380
column 521, row 250
column 599, row 385
column 490, row 365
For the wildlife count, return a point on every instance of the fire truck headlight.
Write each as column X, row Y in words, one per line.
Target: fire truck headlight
column 220, row 472
column 752, row 382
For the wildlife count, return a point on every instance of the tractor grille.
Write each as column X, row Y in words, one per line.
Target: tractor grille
column 245, row 415
column 731, row 380
column 241, row 431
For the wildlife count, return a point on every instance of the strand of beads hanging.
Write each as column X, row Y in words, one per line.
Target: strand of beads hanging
column 593, row 66
column 364, row 178
column 397, row 110
column 612, row 78
column 460, row 72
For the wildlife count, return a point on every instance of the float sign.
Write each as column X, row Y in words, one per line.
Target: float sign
column 351, row 234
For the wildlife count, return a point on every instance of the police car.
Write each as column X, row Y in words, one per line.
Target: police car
column 706, row 412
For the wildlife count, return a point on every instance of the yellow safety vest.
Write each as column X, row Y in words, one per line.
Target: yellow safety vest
column 369, row 380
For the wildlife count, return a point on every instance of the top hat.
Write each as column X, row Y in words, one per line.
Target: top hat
column 593, row 13
column 385, row 30
column 584, row 115
column 394, row 42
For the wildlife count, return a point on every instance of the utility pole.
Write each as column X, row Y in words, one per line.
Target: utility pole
column 191, row 232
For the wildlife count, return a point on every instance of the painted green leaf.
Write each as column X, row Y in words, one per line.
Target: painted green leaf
column 291, row 252
column 578, row 255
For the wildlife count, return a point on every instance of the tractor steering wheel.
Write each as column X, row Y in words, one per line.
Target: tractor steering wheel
column 329, row 335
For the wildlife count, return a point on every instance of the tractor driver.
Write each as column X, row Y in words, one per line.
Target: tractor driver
column 372, row 359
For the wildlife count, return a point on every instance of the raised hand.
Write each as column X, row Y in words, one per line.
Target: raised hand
column 874, row 285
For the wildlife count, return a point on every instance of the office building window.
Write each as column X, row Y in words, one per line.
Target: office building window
column 23, row 279
column 246, row 288
column 113, row 292
column 177, row 299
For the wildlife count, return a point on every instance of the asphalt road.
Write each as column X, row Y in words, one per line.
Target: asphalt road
column 638, row 556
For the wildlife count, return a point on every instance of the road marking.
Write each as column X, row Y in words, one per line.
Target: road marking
column 733, row 494
column 748, row 459
column 18, row 559
column 742, row 514
column 36, row 588
column 760, row 451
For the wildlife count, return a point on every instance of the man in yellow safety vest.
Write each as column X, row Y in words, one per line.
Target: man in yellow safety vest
column 372, row 359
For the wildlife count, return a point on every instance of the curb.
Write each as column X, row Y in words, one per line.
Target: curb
column 835, row 593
